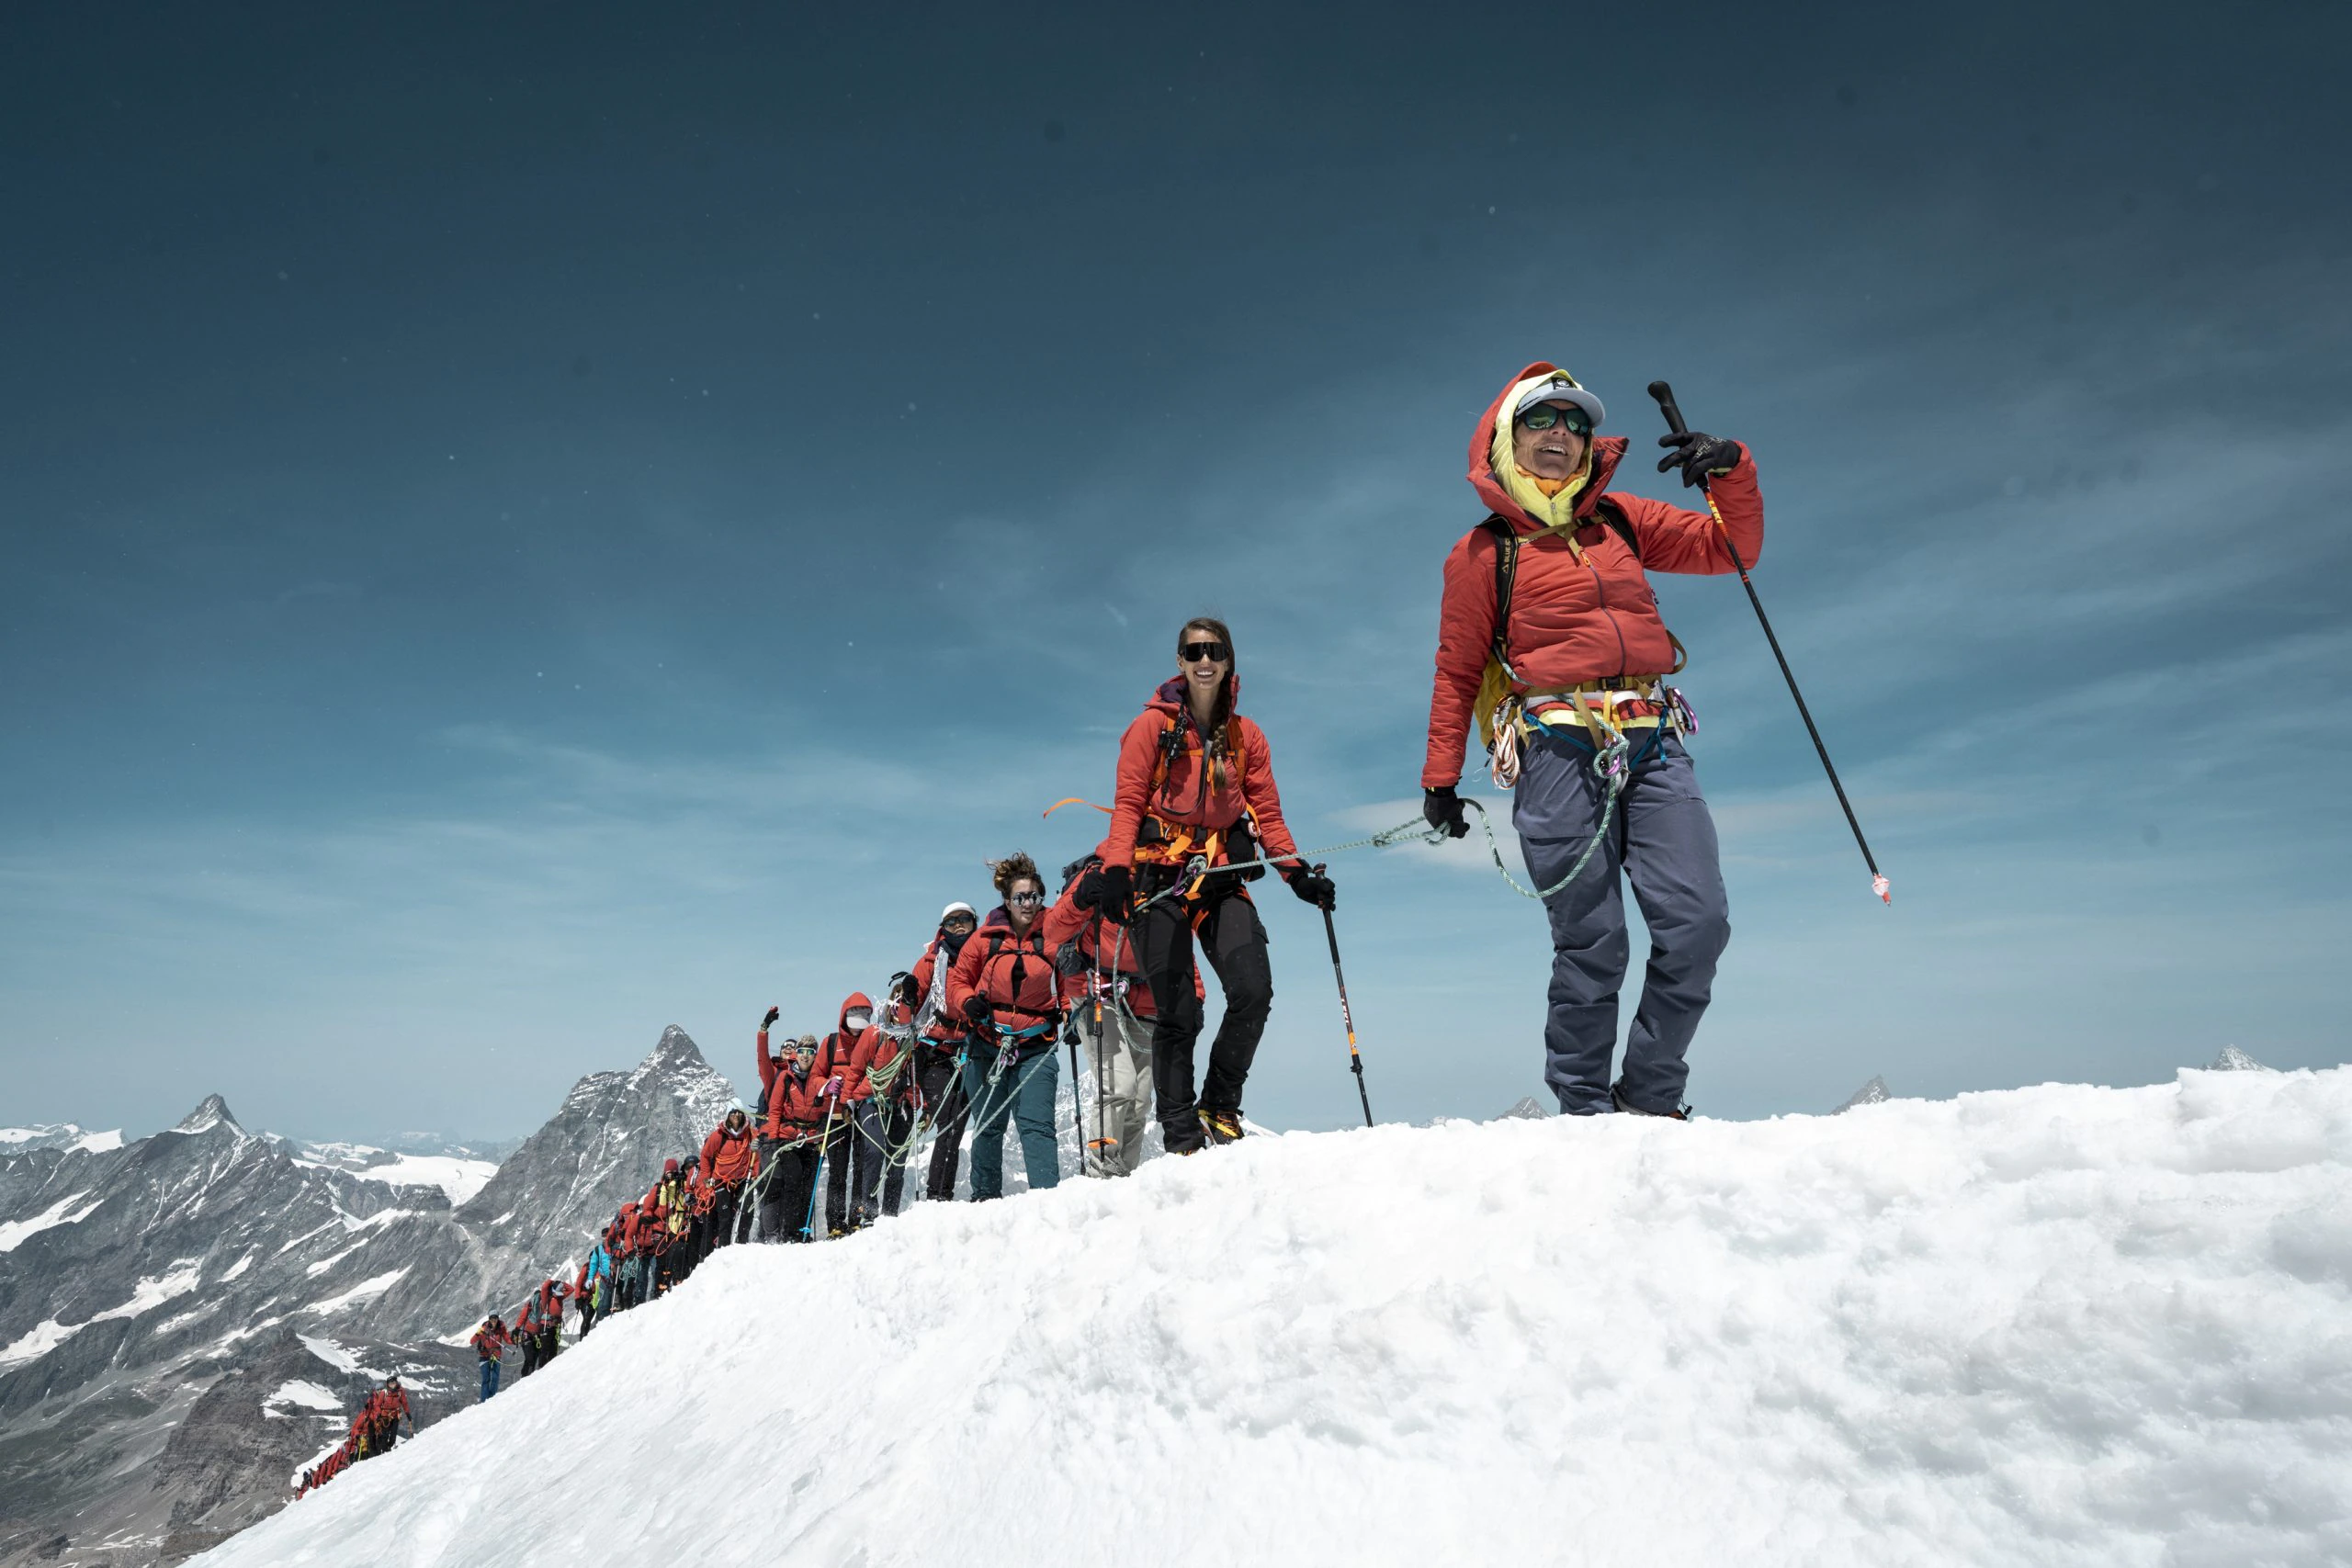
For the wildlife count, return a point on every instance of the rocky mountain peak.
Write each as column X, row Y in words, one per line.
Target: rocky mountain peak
column 2232, row 1060
column 213, row 1112
column 1870, row 1093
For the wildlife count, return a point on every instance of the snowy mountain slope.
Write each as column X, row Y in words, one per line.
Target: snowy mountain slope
column 136, row 1284
column 60, row 1136
column 2054, row 1324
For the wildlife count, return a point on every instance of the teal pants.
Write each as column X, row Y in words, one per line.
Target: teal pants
column 1023, row 1093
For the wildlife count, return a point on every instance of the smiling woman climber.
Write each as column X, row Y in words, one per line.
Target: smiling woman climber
column 1196, row 781
column 1550, row 635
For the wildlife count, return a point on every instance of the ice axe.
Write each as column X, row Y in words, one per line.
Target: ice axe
column 1666, row 404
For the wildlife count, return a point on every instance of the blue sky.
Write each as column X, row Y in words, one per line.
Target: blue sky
column 526, row 528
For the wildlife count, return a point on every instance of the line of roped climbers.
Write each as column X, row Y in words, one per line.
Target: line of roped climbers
column 375, row 1428
column 1549, row 640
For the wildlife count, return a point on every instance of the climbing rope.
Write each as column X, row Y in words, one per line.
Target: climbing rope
column 1612, row 765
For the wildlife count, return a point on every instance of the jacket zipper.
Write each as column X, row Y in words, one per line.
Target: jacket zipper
column 1601, row 590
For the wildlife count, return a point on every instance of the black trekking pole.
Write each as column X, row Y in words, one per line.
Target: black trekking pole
column 1076, row 1112
column 1665, row 396
column 1347, row 1015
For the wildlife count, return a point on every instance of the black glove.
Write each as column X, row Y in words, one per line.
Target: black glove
column 1311, row 886
column 1698, row 454
column 1442, row 809
column 768, row 1022
column 1087, row 894
column 979, row 1009
column 1117, row 891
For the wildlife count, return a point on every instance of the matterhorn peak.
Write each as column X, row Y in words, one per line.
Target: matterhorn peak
column 2232, row 1060
column 212, row 1113
column 1870, row 1093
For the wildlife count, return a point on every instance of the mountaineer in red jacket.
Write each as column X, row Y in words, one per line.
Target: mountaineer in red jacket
column 1549, row 637
column 552, row 1295
column 489, row 1343
column 840, row 1075
column 885, row 1113
column 1196, row 780
column 943, row 1042
column 794, row 1126
column 1117, row 1105
column 729, row 1158
column 1006, row 986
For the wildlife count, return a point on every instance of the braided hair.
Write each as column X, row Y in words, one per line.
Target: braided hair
column 1214, row 746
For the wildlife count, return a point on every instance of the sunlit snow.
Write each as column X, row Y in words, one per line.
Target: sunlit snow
column 13, row 1233
column 2061, row 1324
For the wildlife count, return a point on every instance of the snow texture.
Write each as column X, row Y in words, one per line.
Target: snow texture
column 366, row 1290
column 37, row 1341
column 58, row 1136
column 2055, row 1324
column 66, row 1211
column 461, row 1179
column 302, row 1391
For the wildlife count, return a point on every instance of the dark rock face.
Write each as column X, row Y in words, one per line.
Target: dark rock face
column 155, row 1296
column 555, row 1193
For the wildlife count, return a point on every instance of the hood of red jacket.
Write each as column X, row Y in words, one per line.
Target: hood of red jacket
column 1607, row 452
column 855, row 1000
column 1170, row 698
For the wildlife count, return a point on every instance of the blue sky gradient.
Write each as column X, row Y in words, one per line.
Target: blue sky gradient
column 525, row 528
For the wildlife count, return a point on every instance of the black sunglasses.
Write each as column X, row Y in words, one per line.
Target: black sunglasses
column 1544, row 416
column 1027, row 898
column 1194, row 652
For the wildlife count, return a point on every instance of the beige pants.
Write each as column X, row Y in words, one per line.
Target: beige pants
column 1114, row 1099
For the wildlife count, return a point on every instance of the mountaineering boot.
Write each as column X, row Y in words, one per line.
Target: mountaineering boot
column 1221, row 1126
column 1617, row 1098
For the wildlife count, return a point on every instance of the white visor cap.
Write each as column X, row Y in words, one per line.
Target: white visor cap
column 1560, row 391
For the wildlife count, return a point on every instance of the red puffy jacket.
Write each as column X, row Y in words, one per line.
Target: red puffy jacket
column 1578, row 613
column 881, row 1049
column 1071, row 933
column 1243, row 781
column 727, row 1155
column 844, row 1053
column 1016, row 974
column 795, row 1109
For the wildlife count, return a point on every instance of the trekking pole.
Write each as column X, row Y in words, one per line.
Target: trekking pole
column 1102, row 1091
column 817, row 1183
column 1076, row 1114
column 1347, row 1015
column 1665, row 396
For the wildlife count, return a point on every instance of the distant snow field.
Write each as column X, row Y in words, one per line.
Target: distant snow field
column 2060, row 1325
column 459, row 1178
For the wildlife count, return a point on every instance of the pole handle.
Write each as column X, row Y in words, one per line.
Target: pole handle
column 1666, row 405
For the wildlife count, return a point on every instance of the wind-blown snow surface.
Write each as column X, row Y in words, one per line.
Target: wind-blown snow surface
column 2058, row 1325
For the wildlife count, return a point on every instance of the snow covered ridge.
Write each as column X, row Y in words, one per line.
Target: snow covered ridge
column 2055, row 1324
column 58, row 1136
